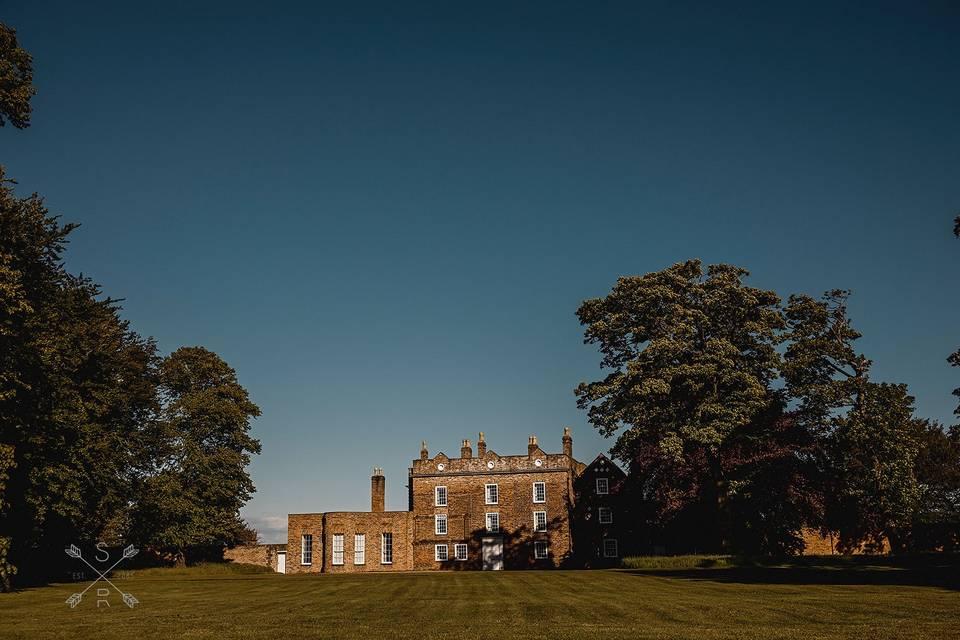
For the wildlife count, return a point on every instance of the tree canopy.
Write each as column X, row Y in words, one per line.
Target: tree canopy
column 744, row 421
column 868, row 433
column 692, row 355
column 101, row 439
column 193, row 499
column 16, row 80
column 94, row 424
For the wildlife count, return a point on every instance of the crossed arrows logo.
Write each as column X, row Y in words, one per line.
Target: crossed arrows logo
column 75, row 599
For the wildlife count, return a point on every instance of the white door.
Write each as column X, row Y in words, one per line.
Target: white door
column 493, row 554
column 281, row 562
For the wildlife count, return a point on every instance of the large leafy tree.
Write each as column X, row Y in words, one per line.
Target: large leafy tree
column 777, row 484
column 99, row 438
column 691, row 355
column 191, row 501
column 773, row 490
column 76, row 391
column 16, row 77
column 868, row 433
column 31, row 282
column 93, row 431
column 873, row 453
column 937, row 521
column 936, row 524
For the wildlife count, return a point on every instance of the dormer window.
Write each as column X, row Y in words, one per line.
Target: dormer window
column 603, row 486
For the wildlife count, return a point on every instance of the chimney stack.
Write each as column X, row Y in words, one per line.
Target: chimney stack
column 423, row 450
column 465, row 450
column 567, row 443
column 531, row 445
column 481, row 446
column 378, row 485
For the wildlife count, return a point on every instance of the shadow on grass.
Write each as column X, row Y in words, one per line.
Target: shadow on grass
column 941, row 571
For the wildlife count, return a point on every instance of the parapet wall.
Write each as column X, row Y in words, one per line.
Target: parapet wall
column 264, row 555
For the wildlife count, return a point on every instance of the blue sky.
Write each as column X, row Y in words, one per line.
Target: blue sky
column 384, row 216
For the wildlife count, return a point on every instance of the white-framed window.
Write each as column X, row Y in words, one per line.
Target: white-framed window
column 539, row 492
column 360, row 549
column 605, row 515
column 386, row 548
column 460, row 551
column 603, row 486
column 440, row 553
column 491, row 494
column 306, row 548
column 610, row 548
column 440, row 524
column 540, row 549
column 338, row 548
column 493, row 522
column 539, row 520
column 440, row 496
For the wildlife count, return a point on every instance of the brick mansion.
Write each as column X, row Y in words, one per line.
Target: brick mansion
column 474, row 511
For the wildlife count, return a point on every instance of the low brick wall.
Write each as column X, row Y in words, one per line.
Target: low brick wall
column 816, row 544
column 264, row 555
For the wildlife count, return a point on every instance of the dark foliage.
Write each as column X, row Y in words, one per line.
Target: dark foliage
column 16, row 77
column 87, row 412
column 723, row 458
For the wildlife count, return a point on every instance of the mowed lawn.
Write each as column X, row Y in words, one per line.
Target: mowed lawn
column 238, row 602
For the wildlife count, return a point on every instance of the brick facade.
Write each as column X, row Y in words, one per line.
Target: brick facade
column 323, row 527
column 465, row 480
column 550, row 510
column 534, row 501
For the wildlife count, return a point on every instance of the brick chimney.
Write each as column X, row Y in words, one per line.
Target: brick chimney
column 531, row 445
column 423, row 450
column 378, row 486
column 465, row 450
column 481, row 446
column 567, row 443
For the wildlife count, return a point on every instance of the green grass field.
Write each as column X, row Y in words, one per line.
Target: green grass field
column 685, row 600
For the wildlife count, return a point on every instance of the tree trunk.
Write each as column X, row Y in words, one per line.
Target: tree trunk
column 723, row 518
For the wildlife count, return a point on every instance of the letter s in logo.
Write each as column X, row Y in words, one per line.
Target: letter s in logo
column 100, row 549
